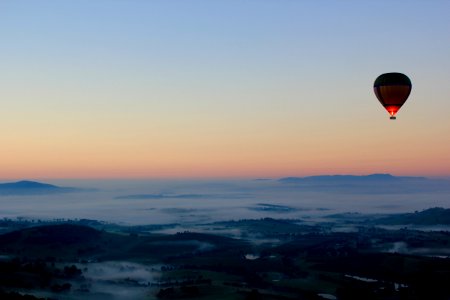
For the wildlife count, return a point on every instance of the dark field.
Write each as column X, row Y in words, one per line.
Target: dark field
column 346, row 257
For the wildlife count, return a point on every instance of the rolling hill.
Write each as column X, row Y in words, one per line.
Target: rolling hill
column 26, row 187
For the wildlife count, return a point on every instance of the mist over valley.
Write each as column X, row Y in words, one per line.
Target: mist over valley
column 325, row 237
column 193, row 202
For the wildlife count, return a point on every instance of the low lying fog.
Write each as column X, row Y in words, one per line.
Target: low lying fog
column 198, row 202
column 113, row 280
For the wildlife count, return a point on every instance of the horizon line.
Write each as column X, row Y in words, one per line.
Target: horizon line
column 213, row 178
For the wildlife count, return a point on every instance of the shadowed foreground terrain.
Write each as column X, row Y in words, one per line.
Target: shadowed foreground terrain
column 246, row 259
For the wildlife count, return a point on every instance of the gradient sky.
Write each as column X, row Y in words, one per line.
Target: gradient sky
column 267, row 88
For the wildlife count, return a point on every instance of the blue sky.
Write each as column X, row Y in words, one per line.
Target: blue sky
column 161, row 87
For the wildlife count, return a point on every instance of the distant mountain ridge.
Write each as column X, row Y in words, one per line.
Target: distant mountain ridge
column 367, row 184
column 27, row 187
column 348, row 178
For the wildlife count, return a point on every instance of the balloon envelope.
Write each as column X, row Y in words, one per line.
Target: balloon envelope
column 392, row 90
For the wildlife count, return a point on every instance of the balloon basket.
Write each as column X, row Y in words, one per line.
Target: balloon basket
column 393, row 118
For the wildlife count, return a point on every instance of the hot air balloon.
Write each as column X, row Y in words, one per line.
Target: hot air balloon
column 392, row 89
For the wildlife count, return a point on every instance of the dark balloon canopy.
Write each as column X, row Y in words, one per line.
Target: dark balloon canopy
column 392, row 89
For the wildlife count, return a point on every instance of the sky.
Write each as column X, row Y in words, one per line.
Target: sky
column 220, row 89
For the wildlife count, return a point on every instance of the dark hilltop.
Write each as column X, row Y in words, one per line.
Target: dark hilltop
column 26, row 187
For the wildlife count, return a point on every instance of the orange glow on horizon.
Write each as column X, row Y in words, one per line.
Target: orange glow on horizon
column 198, row 152
column 217, row 171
